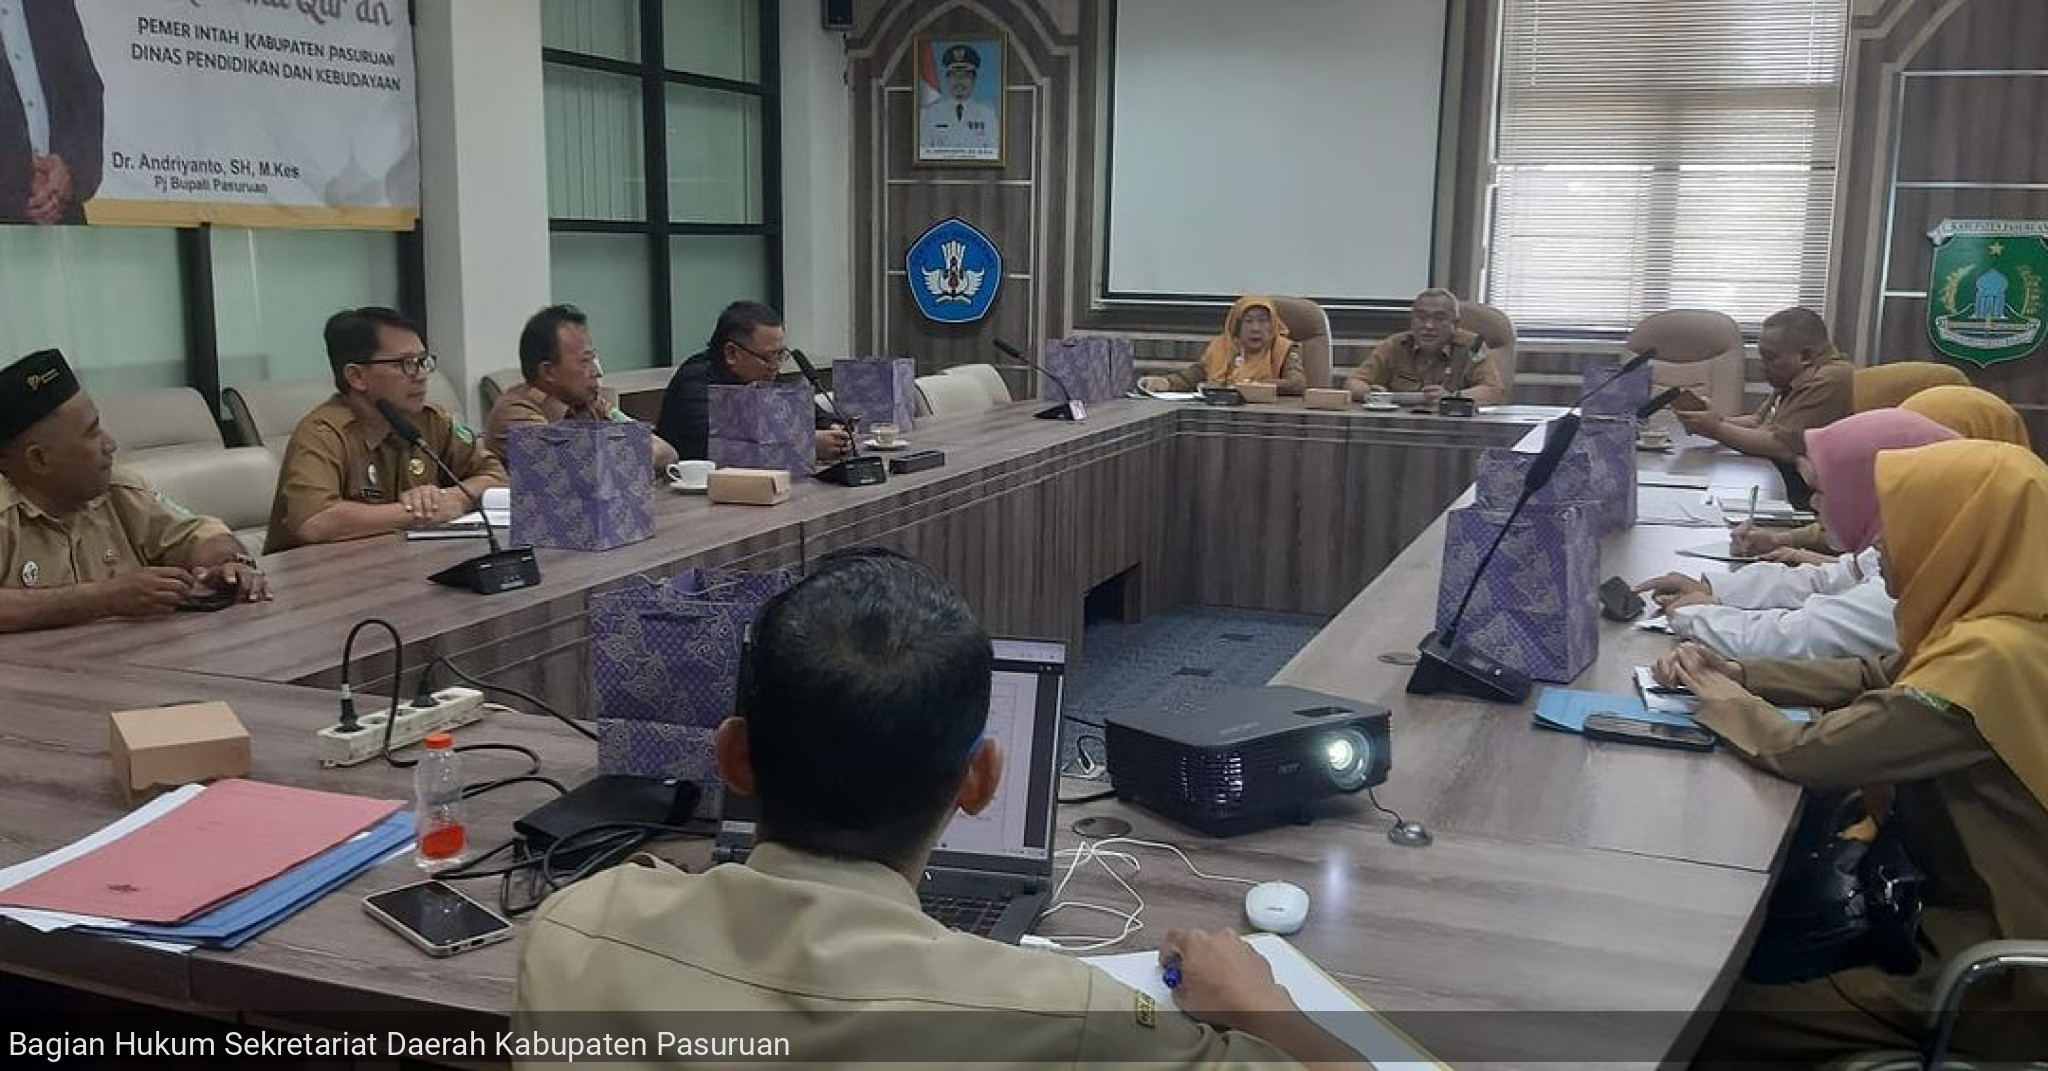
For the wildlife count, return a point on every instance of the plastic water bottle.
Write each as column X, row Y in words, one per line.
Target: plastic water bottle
column 437, row 806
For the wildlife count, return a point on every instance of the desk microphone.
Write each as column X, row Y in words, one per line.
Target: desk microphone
column 1447, row 665
column 1067, row 410
column 485, row 574
column 857, row 470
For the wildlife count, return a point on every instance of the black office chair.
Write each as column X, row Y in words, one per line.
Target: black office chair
column 1983, row 960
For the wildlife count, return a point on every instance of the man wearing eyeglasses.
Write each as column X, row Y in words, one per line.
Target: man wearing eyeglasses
column 747, row 346
column 1434, row 357
column 346, row 474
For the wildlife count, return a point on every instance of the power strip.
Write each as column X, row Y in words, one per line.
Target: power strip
column 452, row 709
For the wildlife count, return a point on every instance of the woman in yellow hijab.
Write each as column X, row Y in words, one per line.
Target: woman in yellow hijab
column 1253, row 348
column 1972, row 413
column 1955, row 721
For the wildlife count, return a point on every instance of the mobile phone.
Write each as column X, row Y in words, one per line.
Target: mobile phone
column 1619, row 601
column 437, row 918
column 1608, row 725
column 1688, row 402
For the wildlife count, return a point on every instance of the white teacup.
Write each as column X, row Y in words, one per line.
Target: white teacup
column 1654, row 438
column 691, row 474
column 885, row 434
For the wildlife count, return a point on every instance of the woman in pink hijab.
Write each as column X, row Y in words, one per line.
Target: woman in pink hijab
column 1841, row 464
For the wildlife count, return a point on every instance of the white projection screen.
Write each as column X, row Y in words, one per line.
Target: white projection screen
column 1284, row 147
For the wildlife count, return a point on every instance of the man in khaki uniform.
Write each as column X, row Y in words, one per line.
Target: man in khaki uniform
column 82, row 540
column 346, row 474
column 1812, row 384
column 563, row 382
column 1433, row 357
column 859, row 730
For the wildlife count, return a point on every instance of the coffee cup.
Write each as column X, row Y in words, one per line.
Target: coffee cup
column 1654, row 438
column 885, row 434
column 691, row 474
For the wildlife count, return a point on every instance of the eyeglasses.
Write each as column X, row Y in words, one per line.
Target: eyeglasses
column 775, row 358
column 417, row 364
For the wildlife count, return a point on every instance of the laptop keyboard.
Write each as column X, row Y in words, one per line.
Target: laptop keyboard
column 968, row 914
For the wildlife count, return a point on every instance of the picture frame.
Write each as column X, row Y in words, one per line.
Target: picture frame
column 959, row 88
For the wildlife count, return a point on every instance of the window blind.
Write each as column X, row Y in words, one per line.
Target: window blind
column 1663, row 154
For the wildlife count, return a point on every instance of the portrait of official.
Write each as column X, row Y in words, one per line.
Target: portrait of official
column 960, row 101
column 52, row 114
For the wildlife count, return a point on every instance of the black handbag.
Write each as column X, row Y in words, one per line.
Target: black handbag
column 1839, row 903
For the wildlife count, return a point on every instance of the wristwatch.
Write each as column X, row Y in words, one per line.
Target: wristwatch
column 244, row 559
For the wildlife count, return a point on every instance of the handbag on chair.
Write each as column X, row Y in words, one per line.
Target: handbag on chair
column 1840, row 902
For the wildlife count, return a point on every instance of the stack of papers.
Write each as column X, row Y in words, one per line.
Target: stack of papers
column 497, row 503
column 1347, row 1018
column 213, row 865
column 1680, row 507
column 1169, row 395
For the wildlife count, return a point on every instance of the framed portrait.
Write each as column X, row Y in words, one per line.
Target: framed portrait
column 960, row 101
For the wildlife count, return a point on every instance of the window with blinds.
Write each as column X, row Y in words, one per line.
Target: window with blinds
column 1662, row 154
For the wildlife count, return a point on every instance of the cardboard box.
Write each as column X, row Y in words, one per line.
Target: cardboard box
column 749, row 487
column 165, row 747
column 1326, row 398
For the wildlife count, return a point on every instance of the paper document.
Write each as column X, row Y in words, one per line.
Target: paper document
column 1659, row 623
column 1526, row 412
column 1717, row 551
column 1170, row 395
column 1333, row 1007
column 1666, row 479
column 1661, row 699
column 497, row 502
column 233, row 836
column 1678, row 507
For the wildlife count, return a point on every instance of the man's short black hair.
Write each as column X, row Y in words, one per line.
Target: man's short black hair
column 540, row 339
column 352, row 336
column 866, row 688
column 1803, row 328
column 739, row 320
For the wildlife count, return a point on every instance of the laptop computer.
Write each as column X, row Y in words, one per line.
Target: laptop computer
column 989, row 873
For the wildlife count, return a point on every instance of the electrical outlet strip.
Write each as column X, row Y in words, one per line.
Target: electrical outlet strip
column 452, row 709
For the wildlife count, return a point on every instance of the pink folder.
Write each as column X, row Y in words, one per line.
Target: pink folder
column 233, row 836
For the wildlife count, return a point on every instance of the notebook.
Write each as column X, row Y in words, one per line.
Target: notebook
column 1333, row 1007
column 990, row 873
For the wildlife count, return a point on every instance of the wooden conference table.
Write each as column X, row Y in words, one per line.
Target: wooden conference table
column 1582, row 900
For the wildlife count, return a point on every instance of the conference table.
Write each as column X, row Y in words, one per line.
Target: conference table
column 1581, row 901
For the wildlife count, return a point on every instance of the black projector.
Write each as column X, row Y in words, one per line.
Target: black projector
column 1246, row 757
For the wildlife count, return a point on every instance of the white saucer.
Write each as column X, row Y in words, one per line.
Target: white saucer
column 689, row 488
column 900, row 444
column 1382, row 407
column 1648, row 449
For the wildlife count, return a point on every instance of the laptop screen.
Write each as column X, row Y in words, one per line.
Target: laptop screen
column 1014, row 833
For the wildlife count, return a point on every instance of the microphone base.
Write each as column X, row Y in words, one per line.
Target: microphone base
column 489, row 574
column 1063, row 411
column 1454, row 406
column 863, row 471
column 1450, row 666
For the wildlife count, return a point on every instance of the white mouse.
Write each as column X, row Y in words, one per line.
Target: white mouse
column 1276, row 906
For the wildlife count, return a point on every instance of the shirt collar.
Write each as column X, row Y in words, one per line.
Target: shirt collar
column 550, row 406
column 857, row 875
column 361, row 427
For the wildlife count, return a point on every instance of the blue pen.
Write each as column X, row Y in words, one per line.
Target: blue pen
column 1172, row 972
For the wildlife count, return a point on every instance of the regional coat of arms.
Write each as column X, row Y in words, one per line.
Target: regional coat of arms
column 1985, row 301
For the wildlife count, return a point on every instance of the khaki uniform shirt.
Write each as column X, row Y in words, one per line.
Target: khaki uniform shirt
column 332, row 458
column 1819, row 395
column 1397, row 364
column 1964, row 816
column 528, row 404
column 125, row 529
column 836, row 956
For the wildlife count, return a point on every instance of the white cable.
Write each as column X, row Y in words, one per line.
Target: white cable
column 1133, row 921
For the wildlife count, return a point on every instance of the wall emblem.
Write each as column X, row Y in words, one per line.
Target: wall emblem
column 955, row 272
column 1985, row 300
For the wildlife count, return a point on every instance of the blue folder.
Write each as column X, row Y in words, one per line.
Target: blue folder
column 1566, row 710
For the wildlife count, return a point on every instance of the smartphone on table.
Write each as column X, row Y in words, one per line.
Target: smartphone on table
column 437, row 918
column 1608, row 725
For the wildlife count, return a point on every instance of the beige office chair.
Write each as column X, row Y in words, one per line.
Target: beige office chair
column 1497, row 333
column 170, row 439
column 990, row 378
column 1886, row 386
column 943, row 396
column 264, row 414
column 1696, row 348
column 1309, row 326
column 495, row 384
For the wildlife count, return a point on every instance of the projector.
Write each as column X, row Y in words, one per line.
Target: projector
column 1246, row 757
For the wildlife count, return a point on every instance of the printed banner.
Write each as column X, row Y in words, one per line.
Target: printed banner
column 252, row 113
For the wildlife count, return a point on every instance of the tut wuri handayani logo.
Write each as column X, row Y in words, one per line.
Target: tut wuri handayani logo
column 1985, row 300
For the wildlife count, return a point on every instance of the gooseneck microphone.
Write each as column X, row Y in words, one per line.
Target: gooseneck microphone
column 858, row 470
column 1067, row 410
column 1444, row 664
column 485, row 574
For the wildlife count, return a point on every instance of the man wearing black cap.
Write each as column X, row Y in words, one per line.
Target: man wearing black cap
column 82, row 540
column 957, row 125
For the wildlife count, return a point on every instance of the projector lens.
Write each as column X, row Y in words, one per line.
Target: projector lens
column 1349, row 756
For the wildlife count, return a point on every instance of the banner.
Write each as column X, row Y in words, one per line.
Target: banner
column 251, row 113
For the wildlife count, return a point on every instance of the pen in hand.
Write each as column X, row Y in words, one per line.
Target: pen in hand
column 1171, row 972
